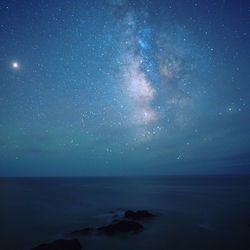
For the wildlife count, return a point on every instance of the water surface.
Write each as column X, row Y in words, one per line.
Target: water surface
column 194, row 212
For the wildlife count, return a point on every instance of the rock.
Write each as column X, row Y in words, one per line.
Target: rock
column 60, row 245
column 84, row 231
column 140, row 214
column 122, row 226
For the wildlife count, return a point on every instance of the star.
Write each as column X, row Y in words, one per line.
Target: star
column 15, row 65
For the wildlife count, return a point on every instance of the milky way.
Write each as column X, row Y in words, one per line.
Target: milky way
column 152, row 66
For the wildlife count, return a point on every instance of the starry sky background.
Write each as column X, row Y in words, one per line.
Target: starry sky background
column 120, row 87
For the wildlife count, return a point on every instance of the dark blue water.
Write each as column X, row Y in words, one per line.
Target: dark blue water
column 194, row 212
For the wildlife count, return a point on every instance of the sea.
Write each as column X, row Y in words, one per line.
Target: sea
column 192, row 212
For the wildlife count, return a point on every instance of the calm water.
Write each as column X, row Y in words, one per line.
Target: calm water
column 202, row 212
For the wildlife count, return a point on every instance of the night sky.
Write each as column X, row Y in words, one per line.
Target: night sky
column 120, row 87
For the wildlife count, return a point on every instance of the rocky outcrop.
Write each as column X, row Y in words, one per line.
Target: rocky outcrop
column 60, row 245
column 123, row 226
column 125, row 222
column 137, row 215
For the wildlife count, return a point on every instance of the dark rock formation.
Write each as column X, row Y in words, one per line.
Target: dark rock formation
column 137, row 215
column 122, row 222
column 84, row 231
column 122, row 226
column 60, row 245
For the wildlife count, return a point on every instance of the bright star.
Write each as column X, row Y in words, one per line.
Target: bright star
column 15, row 65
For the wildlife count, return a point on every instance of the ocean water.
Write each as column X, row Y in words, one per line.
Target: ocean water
column 193, row 212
